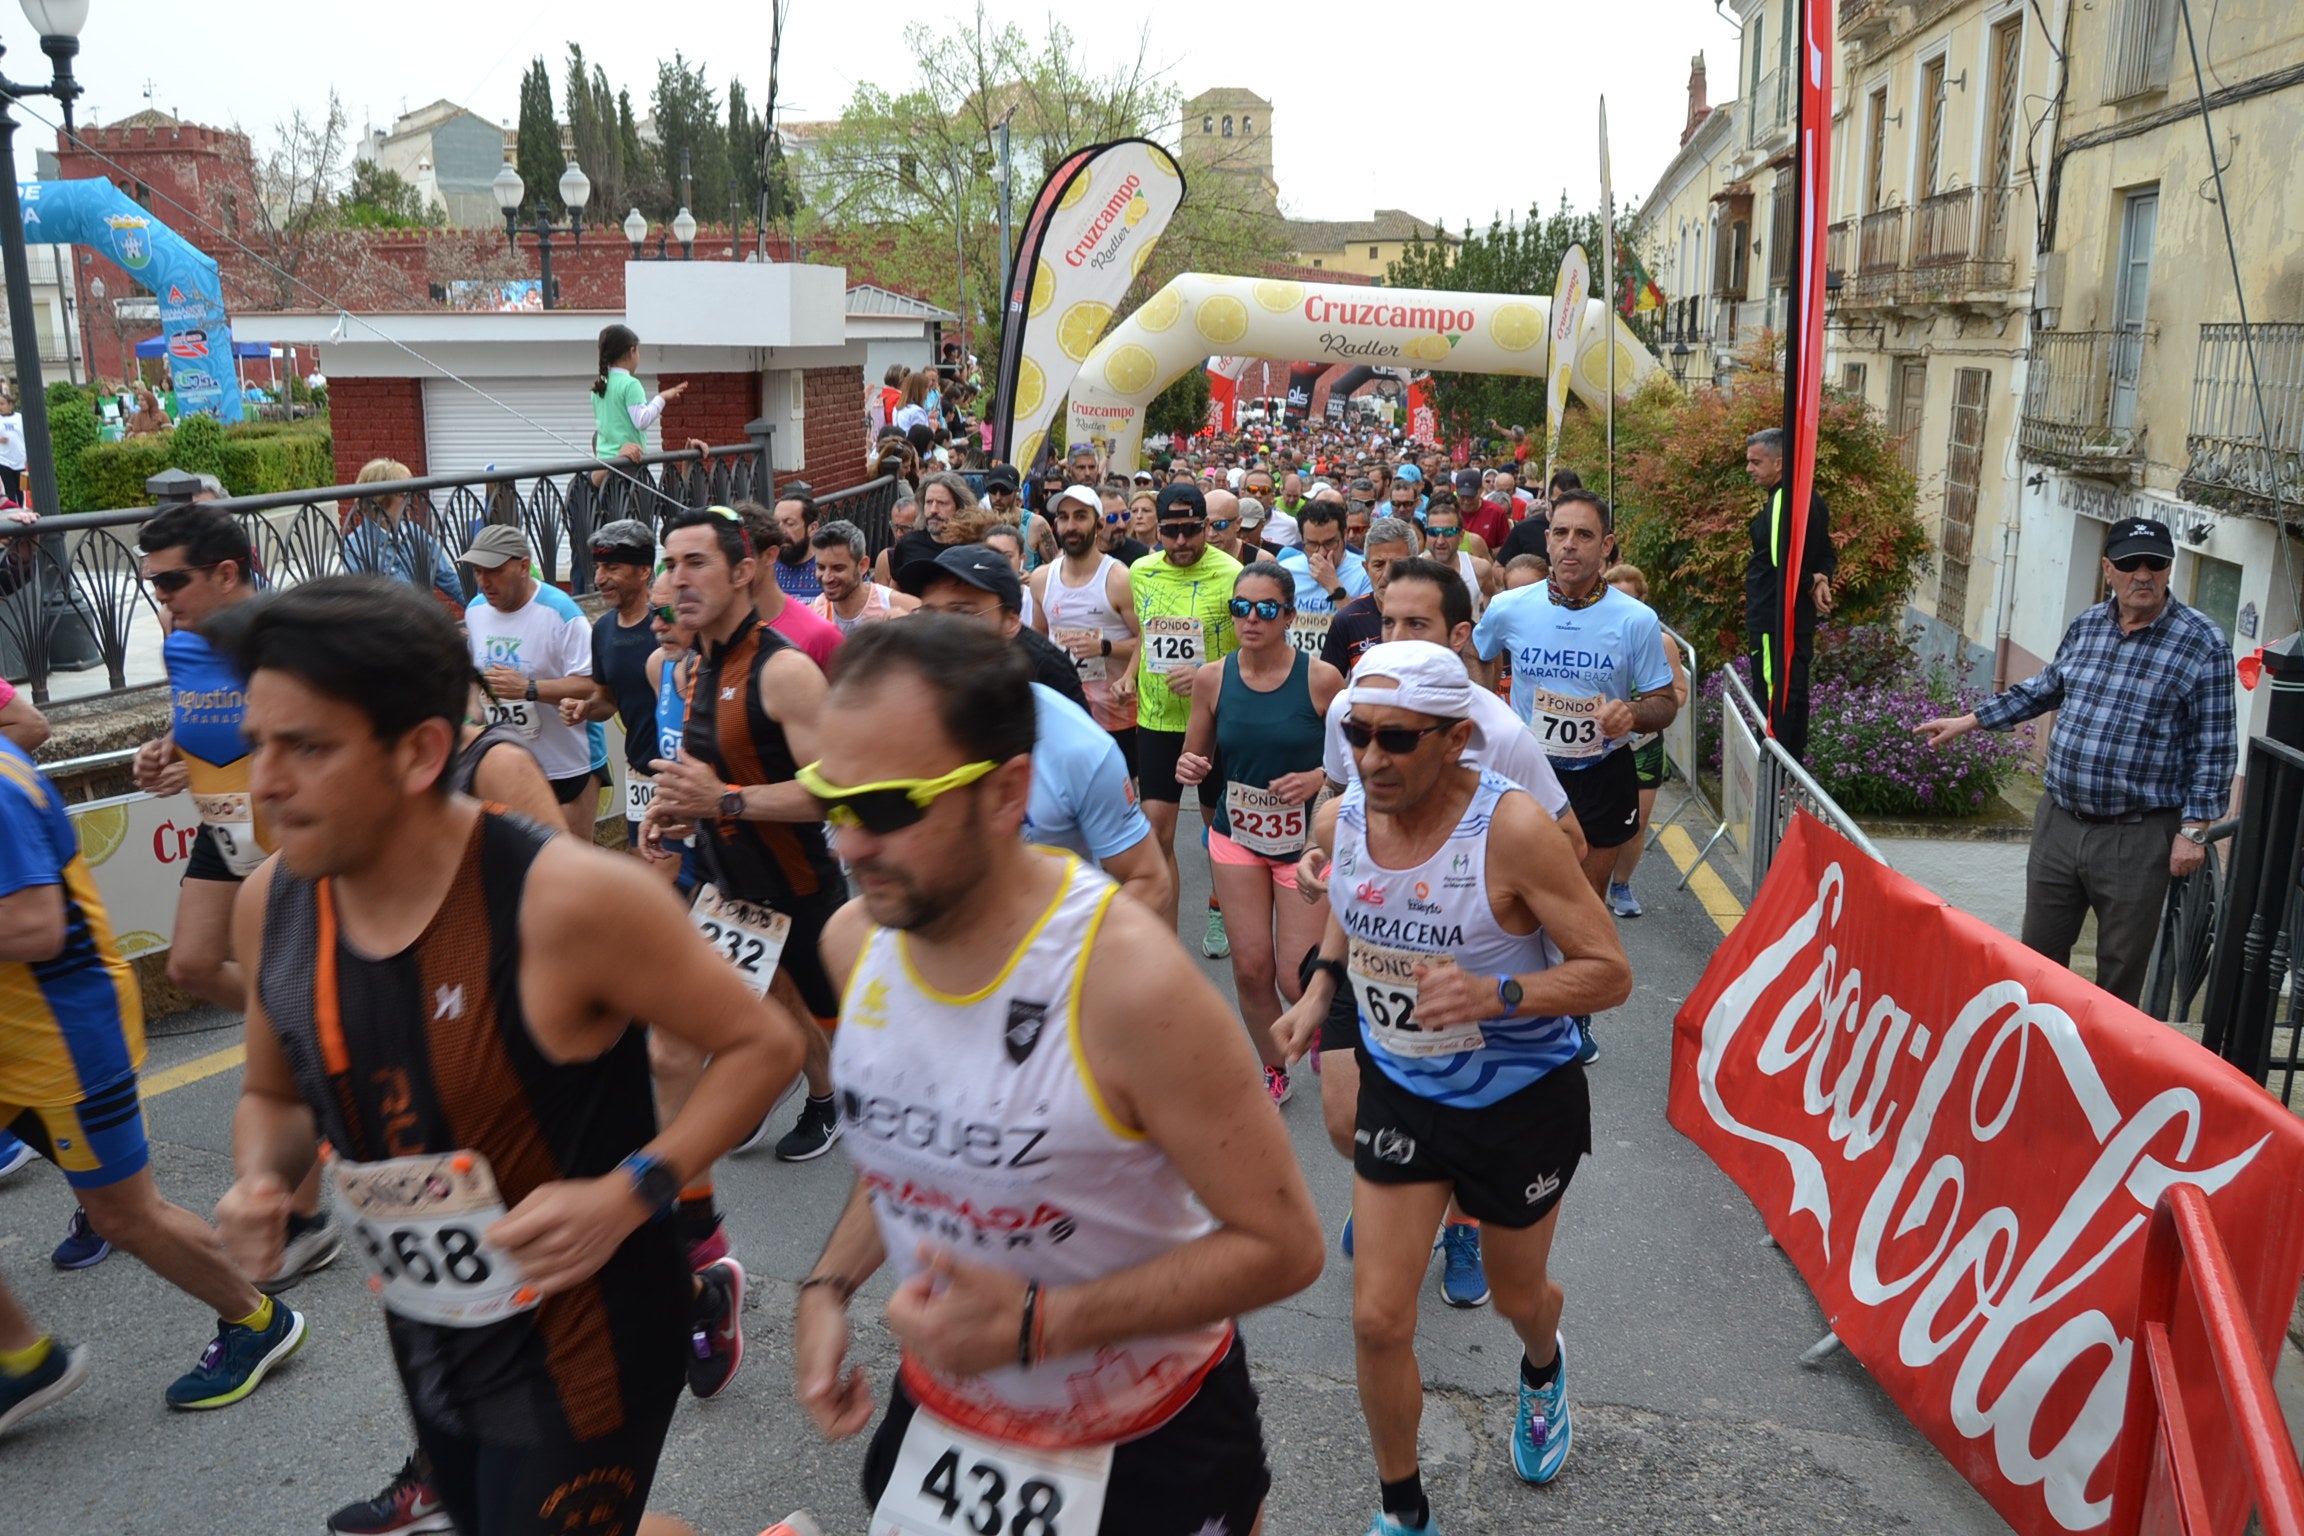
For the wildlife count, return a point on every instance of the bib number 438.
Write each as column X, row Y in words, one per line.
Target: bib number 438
column 948, row 1482
column 985, row 1506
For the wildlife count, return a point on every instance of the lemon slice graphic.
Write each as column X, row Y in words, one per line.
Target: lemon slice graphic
column 1279, row 297
column 102, row 831
column 1161, row 311
column 1082, row 324
column 1031, row 387
column 1130, row 370
column 1043, row 290
column 1074, row 192
column 1516, row 327
column 1221, row 319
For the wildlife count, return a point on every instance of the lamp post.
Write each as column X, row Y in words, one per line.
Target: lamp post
column 58, row 22
column 684, row 231
column 1680, row 351
column 575, row 191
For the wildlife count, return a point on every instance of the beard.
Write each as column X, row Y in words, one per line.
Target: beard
column 792, row 554
column 1078, row 543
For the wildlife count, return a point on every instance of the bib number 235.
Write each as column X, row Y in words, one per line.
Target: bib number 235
column 951, row 1483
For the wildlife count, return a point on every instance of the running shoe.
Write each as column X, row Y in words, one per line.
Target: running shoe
column 57, row 1376
column 813, row 1136
column 1463, row 1280
column 718, row 1338
column 1344, row 1238
column 1541, row 1434
column 1621, row 901
column 407, row 1505
column 1385, row 1525
column 81, row 1248
column 313, row 1243
column 237, row 1359
column 1215, row 943
column 1276, row 1084
column 1589, row 1051
column 711, row 1250
column 797, row 1523
column 14, row 1155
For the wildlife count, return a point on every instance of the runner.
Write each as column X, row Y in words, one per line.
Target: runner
column 1468, row 941
column 850, row 597
column 1224, row 526
column 752, row 718
column 792, row 619
column 1260, row 713
column 623, row 566
column 1183, row 599
column 1085, row 1364
column 1327, row 574
column 1087, row 607
column 1444, row 527
column 795, row 566
column 71, row 1042
column 534, row 649
column 1360, row 622
column 1648, row 765
column 486, row 1064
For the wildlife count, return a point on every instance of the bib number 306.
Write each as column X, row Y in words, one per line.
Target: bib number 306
column 948, row 1482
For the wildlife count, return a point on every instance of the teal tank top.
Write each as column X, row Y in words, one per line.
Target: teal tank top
column 1260, row 736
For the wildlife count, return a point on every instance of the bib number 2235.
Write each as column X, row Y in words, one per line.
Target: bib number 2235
column 948, row 1482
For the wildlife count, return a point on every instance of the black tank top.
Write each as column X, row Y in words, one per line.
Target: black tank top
column 770, row 862
column 437, row 1059
column 464, row 767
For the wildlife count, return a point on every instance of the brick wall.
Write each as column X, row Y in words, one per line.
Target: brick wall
column 834, row 452
column 715, row 408
column 376, row 419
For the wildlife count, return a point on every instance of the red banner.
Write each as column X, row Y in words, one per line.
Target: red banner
column 1959, row 1144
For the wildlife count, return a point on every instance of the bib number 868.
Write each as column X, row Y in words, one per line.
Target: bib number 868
column 424, row 1256
column 985, row 1500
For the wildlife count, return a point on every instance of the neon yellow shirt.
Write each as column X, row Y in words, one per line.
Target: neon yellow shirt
column 1202, row 591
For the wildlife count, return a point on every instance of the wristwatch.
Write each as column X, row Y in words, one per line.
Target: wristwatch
column 1107, row 645
column 1508, row 993
column 731, row 803
column 654, row 1181
column 2197, row 835
column 531, row 690
column 1339, row 595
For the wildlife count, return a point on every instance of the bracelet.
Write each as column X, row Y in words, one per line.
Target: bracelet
column 842, row 1286
column 1028, row 1332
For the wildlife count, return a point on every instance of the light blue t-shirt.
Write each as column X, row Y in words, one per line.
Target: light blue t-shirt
column 1082, row 798
column 560, row 603
column 1351, row 574
column 1613, row 649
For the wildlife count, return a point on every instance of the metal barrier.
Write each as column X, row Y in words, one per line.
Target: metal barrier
column 2189, row 919
column 2160, row 1484
column 1680, row 753
column 1761, row 785
column 2256, row 926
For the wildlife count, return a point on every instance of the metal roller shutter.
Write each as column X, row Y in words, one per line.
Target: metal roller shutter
column 540, row 421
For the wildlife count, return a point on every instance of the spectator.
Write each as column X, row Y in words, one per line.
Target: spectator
column 1780, row 680
column 621, row 416
column 2139, row 763
column 11, row 448
column 382, row 538
column 147, row 418
column 794, row 563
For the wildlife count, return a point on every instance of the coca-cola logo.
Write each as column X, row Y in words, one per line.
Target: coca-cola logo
column 1971, row 1170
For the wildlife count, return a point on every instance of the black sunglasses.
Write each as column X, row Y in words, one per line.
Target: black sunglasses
column 177, row 580
column 1181, row 530
column 1396, row 740
column 2133, row 563
column 667, row 614
column 1264, row 608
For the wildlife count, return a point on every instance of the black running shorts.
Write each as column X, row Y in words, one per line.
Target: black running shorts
column 207, row 861
column 566, row 790
column 548, row 1484
column 1156, row 754
column 1509, row 1162
column 1203, row 1470
column 1606, row 798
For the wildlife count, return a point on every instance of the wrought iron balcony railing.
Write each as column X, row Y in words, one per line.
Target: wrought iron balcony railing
column 1960, row 244
column 2080, row 396
column 2236, row 454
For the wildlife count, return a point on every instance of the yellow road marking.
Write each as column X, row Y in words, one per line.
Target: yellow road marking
column 1710, row 890
column 198, row 1069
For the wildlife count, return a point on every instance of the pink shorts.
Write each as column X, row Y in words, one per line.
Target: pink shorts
column 1222, row 850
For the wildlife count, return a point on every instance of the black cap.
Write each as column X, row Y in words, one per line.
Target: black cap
column 1001, row 477
column 1467, row 479
column 2139, row 536
column 1183, row 495
column 979, row 565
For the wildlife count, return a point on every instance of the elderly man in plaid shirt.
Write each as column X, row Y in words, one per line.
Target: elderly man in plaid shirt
column 2139, row 764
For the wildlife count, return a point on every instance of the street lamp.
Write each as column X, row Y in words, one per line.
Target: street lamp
column 58, row 22
column 509, row 189
column 575, row 190
column 684, row 231
column 1680, row 351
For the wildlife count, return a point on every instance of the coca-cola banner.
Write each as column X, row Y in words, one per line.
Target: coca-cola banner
column 1959, row 1145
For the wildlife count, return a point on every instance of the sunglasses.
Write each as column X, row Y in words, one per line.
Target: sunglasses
column 622, row 554
column 666, row 614
column 1219, row 524
column 1395, row 740
column 2133, row 563
column 1114, row 519
column 176, row 580
column 1264, row 608
column 1181, row 530
column 888, row 806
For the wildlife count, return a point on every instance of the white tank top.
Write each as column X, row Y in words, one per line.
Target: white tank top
column 1088, row 607
column 1464, row 568
column 874, row 610
column 1396, row 918
column 975, row 1126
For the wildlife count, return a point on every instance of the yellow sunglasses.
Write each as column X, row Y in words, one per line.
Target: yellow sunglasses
column 888, row 806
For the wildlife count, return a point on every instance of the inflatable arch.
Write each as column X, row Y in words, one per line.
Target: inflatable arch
column 1198, row 314
column 92, row 212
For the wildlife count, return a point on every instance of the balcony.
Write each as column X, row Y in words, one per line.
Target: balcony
column 1879, row 257
column 1770, row 109
column 1839, row 241
column 2080, row 400
column 1866, row 21
column 2236, row 459
column 1736, row 322
column 1960, row 245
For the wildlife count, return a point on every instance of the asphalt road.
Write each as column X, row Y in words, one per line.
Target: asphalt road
column 1693, row 1413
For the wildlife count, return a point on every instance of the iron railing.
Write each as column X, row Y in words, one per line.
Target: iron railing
column 1960, row 243
column 2068, row 395
column 1761, row 785
column 1879, row 255
column 2187, row 939
column 2233, row 456
column 1768, row 108
column 2254, row 1016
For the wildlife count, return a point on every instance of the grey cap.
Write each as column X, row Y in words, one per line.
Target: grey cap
column 495, row 544
column 626, row 534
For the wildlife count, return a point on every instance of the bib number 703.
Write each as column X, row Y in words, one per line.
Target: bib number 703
column 983, row 1505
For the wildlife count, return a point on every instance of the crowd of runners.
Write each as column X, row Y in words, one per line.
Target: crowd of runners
column 904, row 834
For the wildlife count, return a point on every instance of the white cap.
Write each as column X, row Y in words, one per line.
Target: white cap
column 1082, row 495
column 1427, row 678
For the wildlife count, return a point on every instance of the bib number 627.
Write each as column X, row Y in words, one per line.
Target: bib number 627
column 978, row 1498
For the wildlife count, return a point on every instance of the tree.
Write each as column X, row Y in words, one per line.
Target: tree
column 592, row 130
column 691, row 140
column 747, row 154
column 538, row 158
column 1507, row 258
column 640, row 187
column 1182, row 407
column 305, row 249
column 377, row 198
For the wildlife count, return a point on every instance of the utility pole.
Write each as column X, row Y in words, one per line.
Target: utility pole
column 1006, row 256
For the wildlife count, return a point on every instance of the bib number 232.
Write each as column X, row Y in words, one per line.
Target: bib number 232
column 751, row 936
column 951, row 1483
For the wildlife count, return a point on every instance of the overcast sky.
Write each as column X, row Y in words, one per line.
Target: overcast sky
column 1441, row 108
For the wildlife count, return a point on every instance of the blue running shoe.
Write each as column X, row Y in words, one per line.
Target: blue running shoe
column 237, row 1359
column 57, row 1376
column 1463, row 1281
column 1540, row 1436
column 14, row 1154
column 1344, row 1238
column 81, row 1248
column 1621, row 901
column 1385, row 1525
column 1588, row 1052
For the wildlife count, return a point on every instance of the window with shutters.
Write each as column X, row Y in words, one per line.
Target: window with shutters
column 1931, row 125
column 1876, row 152
column 1963, row 481
column 1907, row 401
column 2142, row 42
column 1852, row 380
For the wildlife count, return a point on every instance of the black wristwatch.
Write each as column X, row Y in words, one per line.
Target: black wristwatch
column 1339, row 596
column 1107, row 645
column 731, row 804
column 531, row 690
column 654, row 1181
column 1508, row 993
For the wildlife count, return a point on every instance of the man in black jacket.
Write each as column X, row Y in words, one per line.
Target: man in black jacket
column 1764, row 583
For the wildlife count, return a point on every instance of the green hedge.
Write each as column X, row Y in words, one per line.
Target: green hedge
column 72, row 430
column 252, row 460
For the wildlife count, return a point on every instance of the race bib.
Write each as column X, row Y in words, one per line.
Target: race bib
column 1384, row 986
column 519, row 714
column 419, row 1220
column 751, row 936
column 1262, row 822
column 1173, row 645
column 231, row 823
column 1309, row 631
column 949, row 1482
column 1566, row 726
column 639, row 794
column 1090, row 667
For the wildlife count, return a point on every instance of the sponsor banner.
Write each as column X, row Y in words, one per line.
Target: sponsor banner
column 1959, row 1144
column 1091, row 230
column 1395, row 330
column 136, row 847
column 1423, row 420
column 1565, row 330
column 91, row 212
column 1804, row 316
column 1224, row 392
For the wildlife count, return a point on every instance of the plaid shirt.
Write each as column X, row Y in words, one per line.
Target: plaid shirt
column 2145, row 721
